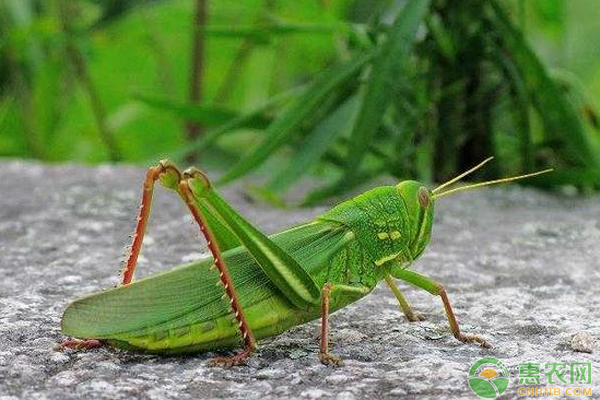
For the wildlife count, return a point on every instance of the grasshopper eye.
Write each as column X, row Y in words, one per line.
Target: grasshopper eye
column 423, row 197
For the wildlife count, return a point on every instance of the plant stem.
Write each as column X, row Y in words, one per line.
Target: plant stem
column 81, row 70
column 23, row 97
column 195, row 129
column 233, row 73
column 156, row 46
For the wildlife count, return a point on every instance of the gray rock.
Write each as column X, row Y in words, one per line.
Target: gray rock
column 584, row 342
column 520, row 266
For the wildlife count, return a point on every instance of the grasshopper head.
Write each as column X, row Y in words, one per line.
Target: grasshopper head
column 420, row 205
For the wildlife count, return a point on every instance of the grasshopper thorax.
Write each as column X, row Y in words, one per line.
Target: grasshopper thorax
column 389, row 222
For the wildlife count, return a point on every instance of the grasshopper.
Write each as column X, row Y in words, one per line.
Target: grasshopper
column 265, row 284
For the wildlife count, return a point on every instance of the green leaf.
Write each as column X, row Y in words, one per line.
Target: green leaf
column 261, row 33
column 264, row 194
column 337, row 188
column 521, row 102
column 208, row 115
column 287, row 123
column 397, row 45
column 240, row 121
column 558, row 115
column 315, row 144
column 441, row 37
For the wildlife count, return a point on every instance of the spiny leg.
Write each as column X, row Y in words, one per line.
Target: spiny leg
column 328, row 291
column 80, row 344
column 177, row 182
column 249, row 343
column 294, row 282
column 436, row 288
column 171, row 178
column 152, row 175
column 406, row 308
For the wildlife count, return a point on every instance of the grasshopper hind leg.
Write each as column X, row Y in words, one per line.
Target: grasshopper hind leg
column 170, row 176
column 80, row 344
column 152, row 175
column 219, row 262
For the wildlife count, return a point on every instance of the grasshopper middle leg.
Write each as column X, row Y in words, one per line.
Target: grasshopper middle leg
column 328, row 292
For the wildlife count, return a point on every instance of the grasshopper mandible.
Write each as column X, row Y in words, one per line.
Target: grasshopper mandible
column 267, row 283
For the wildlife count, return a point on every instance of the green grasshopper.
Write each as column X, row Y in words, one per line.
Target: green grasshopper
column 268, row 284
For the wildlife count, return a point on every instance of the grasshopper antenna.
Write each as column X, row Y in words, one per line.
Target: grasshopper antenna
column 487, row 183
column 451, row 181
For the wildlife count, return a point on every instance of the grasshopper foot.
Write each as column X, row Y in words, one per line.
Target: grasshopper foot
column 472, row 338
column 230, row 361
column 330, row 359
column 415, row 317
column 79, row 344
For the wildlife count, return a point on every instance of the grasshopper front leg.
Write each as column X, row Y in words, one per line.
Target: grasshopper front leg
column 437, row 289
column 411, row 315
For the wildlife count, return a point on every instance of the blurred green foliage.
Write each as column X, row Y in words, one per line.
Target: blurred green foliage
column 344, row 89
column 141, row 49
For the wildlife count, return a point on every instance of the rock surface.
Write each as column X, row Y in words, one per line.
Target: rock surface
column 521, row 267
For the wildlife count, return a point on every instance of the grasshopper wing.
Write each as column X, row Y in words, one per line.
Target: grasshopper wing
column 191, row 294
